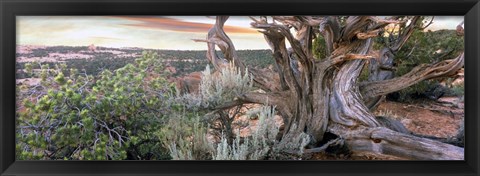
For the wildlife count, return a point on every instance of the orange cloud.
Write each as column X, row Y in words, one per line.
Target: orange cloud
column 180, row 26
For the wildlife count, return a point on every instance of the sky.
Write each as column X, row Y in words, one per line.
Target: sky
column 153, row 32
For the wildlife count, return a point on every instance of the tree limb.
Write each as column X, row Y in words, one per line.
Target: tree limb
column 385, row 141
column 419, row 73
column 217, row 37
column 330, row 29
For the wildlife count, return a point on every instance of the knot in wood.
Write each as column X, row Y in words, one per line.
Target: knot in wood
column 376, row 140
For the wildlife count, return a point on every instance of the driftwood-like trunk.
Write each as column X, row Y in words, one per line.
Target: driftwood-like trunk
column 316, row 95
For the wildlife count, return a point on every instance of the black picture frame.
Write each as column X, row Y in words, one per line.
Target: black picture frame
column 9, row 9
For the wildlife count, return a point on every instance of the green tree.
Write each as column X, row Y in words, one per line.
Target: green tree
column 423, row 48
column 81, row 117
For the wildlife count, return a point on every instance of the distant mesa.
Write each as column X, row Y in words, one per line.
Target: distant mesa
column 92, row 48
column 25, row 49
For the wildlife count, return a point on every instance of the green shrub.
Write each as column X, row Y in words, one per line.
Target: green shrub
column 458, row 90
column 319, row 47
column 255, row 147
column 426, row 48
column 81, row 117
column 185, row 136
column 217, row 89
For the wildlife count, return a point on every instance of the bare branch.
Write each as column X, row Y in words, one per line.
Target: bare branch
column 285, row 32
column 278, row 99
column 346, row 57
column 330, row 29
column 310, row 20
column 229, row 105
column 428, row 24
column 369, row 34
column 460, row 31
column 277, row 43
column 217, row 37
column 388, row 142
column 405, row 34
column 337, row 141
column 419, row 73
column 355, row 24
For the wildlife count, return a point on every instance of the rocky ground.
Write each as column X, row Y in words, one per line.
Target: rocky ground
column 440, row 118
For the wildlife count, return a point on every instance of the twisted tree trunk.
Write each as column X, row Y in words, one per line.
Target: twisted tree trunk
column 316, row 95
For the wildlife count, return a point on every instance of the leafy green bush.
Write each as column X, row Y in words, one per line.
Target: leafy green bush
column 319, row 47
column 426, row 48
column 458, row 90
column 81, row 117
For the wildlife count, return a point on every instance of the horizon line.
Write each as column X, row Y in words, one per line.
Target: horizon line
column 126, row 47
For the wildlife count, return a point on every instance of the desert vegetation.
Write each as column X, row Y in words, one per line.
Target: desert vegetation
column 324, row 95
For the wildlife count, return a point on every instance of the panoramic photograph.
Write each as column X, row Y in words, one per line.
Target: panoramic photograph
column 240, row 88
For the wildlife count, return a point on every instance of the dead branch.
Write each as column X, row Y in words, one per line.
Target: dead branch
column 419, row 73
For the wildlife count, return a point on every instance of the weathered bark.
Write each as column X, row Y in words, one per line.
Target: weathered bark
column 218, row 38
column 385, row 141
column 297, row 70
column 315, row 96
column 382, row 68
column 346, row 104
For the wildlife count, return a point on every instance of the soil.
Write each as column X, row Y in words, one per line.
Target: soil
column 440, row 118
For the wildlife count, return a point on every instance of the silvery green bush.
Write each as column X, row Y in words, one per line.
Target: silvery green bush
column 254, row 147
column 218, row 88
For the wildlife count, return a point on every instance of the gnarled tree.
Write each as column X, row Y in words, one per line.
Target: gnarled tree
column 319, row 95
